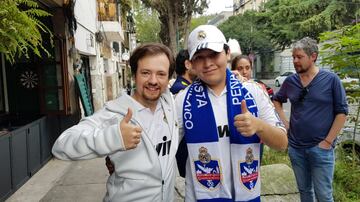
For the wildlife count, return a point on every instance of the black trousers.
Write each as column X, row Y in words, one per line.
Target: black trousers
column 181, row 157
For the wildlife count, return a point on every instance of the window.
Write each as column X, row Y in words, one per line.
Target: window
column 54, row 82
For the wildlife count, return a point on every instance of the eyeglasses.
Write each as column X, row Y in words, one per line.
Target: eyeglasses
column 303, row 93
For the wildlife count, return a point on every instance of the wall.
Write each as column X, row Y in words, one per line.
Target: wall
column 85, row 13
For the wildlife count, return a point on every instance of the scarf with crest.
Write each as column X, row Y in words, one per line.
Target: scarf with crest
column 201, row 134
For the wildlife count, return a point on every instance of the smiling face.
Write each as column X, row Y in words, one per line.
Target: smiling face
column 210, row 67
column 151, row 79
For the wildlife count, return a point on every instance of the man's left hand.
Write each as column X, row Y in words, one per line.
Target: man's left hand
column 325, row 145
column 245, row 122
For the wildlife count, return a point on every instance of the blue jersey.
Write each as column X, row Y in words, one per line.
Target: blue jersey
column 313, row 108
column 180, row 84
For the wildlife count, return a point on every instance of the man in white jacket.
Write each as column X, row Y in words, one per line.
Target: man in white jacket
column 138, row 132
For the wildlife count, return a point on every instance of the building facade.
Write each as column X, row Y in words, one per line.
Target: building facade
column 240, row 6
column 42, row 96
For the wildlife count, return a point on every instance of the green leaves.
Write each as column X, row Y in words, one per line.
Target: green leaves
column 20, row 28
column 289, row 20
column 341, row 50
column 248, row 32
column 147, row 24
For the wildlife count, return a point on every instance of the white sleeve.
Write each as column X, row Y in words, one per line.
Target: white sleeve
column 179, row 102
column 266, row 109
column 94, row 136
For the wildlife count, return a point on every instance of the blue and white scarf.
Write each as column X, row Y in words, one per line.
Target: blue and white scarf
column 201, row 134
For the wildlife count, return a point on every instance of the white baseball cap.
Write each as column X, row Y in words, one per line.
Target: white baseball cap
column 205, row 37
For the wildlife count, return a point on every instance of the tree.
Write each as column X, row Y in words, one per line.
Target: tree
column 147, row 24
column 248, row 32
column 125, row 8
column 175, row 17
column 20, row 28
column 201, row 20
column 342, row 53
column 189, row 8
column 288, row 20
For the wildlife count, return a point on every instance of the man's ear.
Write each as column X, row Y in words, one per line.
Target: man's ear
column 228, row 55
column 188, row 64
column 314, row 57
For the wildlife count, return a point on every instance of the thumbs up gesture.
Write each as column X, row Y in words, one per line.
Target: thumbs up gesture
column 131, row 133
column 245, row 122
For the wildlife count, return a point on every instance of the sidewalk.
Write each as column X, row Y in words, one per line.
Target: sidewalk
column 57, row 181
column 84, row 181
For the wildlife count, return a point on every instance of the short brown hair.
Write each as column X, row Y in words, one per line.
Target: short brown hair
column 151, row 49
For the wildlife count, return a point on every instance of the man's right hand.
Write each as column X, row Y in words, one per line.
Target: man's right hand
column 131, row 133
column 238, row 76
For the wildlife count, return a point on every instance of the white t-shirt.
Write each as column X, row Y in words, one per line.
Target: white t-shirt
column 158, row 130
column 266, row 112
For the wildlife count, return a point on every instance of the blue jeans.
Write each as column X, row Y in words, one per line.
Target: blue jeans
column 314, row 169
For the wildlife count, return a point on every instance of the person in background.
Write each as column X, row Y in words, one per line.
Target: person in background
column 244, row 66
column 318, row 112
column 185, row 75
column 223, row 122
column 139, row 133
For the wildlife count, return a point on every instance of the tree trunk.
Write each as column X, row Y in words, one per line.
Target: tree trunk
column 171, row 13
column 173, row 24
column 189, row 11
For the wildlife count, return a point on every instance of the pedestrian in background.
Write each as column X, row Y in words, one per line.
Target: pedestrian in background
column 139, row 132
column 223, row 123
column 243, row 65
column 185, row 76
column 318, row 112
column 184, row 72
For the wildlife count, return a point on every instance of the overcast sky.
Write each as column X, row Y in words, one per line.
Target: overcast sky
column 216, row 6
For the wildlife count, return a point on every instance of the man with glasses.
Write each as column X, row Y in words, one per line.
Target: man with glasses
column 318, row 112
column 223, row 123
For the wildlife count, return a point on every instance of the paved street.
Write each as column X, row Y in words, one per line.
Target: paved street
column 271, row 83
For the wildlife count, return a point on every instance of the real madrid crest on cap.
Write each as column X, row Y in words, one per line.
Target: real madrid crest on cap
column 207, row 171
column 201, row 35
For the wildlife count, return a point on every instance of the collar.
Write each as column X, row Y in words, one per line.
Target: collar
column 223, row 92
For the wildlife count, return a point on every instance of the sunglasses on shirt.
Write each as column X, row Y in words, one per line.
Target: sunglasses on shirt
column 303, row 94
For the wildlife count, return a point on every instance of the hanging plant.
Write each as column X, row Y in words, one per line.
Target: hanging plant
column 20, row 28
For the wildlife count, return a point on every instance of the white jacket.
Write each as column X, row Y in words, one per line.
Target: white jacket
column 138, row 175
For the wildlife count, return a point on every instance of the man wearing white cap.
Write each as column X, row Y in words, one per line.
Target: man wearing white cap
column 223, row 122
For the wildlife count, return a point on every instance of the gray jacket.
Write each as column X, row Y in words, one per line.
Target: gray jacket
column 138, row 175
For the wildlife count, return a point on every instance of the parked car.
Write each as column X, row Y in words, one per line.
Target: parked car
column 280, row 79
column 347, row 79
column 269, row 90
column 347, row 138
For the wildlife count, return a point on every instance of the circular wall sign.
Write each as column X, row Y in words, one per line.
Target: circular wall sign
column 29, row 79
column 125, row 56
